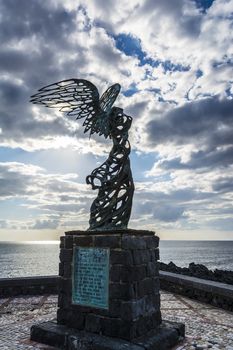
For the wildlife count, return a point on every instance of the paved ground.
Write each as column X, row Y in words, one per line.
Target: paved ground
column 206, row 326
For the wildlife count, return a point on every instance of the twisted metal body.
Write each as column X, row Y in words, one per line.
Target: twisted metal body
column 112, row 207
column 113, row 179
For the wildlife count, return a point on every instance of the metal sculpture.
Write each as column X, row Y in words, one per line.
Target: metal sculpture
column 80, row 98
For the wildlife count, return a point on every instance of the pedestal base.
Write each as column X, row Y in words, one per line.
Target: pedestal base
column 163, row 337
column 133, row 284
column 109, row 303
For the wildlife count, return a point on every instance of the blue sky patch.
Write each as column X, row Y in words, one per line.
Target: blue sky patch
column 204, row 4
column 199, row 73
column 12, row 154
column 131, row 91
column 131, row 46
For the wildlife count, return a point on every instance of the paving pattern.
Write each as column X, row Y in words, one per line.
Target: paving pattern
column 207, row 327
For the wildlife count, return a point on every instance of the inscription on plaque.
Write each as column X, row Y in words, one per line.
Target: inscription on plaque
column 90, row 277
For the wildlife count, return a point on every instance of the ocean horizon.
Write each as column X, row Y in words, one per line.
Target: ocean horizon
column 38, row 258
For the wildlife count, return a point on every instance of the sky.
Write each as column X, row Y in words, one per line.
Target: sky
column 174, row 61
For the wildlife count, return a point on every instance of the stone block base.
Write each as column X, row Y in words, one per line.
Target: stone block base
column 130, row 317
column 164, row 337
column 134, row 299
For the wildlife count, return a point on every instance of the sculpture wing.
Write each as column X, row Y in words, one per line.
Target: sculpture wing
column 77, row 97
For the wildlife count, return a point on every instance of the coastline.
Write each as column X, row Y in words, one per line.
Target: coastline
column 199, row 271
column 41, row 258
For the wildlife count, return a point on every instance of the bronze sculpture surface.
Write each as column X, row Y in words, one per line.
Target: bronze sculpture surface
column 113, row 179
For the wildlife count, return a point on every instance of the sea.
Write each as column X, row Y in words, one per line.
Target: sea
column 41, row 258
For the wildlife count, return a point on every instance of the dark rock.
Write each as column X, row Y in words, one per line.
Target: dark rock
column 151, row 241
column 147, row 323
column 152, row 269
column 66, row 255
column 62, row 242
column 97, row 342
column 115, row 273
column 141, row 256
column 93, row 323
column 199, row 271
column 62, row 315
column 154, row 254
column 133, row 242
column 224, row 276
column 133, row 273
column 82, row 241
column 146, row 287
column 69, row 242
column 121, row 257
column 61, row 269
column 76, row 320
column 65, row 285
column 131, row 310
column 107, row 241
column 67, row 270
column 111, row 326
column 124, row 291
column 152, row 303
column 115, row 307
column 163, row 337
column 64, row 301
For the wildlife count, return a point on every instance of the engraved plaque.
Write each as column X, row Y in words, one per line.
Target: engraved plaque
column 90, row 277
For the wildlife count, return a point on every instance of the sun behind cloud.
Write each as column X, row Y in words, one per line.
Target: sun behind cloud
column 174, row 62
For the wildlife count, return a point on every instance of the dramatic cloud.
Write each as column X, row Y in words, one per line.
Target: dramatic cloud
column 208, row 121
column 174, row 60
column 52, row 198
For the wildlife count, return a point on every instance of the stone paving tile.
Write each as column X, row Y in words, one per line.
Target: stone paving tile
column 26, row 299
column 207, row 327
column 197, row 304
column 166, row 296
column 173, row 304
column 51, row 299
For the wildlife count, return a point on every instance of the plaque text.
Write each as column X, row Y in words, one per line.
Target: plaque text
column 90, row 277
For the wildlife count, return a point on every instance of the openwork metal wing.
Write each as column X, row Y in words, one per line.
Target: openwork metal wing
column 77, row 97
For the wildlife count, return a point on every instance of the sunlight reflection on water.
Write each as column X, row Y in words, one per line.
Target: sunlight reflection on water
column 42, row 258
column 213, row 254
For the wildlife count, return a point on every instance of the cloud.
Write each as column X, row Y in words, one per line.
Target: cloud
column 223, row 184
column 48, row 22
column 43, row 195
column 208, row 121
column 44, row 224
column 162, row 212
column 3, row 224
column 27, row 63
column 198, row 139
column 81, row 44
column 174, row 63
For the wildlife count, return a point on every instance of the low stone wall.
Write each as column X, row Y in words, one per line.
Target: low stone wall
column 199, row 271
column 210, row 292
column 28, row 286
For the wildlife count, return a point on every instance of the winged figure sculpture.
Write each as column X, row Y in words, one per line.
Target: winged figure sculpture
column 113, row 179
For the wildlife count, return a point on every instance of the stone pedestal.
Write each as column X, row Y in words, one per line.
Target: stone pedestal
column 132, row 315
